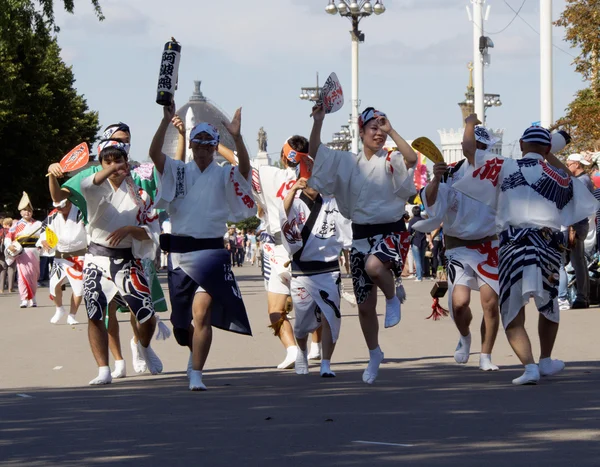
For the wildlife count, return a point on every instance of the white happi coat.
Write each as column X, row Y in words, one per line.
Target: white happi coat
column 72, row 237
column 463, row 217
column 200, row 203
column 528, row 201
column 367, row 191
column 320, row 291
column 110, row 209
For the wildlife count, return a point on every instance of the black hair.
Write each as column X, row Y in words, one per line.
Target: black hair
column 481, row 145
column 297, row 143
column 416, row 210
column 112, row 153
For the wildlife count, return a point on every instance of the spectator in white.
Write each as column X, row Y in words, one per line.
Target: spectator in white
column 418, row 242
column 576, row 163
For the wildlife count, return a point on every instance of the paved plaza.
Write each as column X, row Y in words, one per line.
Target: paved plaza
column 423, row 410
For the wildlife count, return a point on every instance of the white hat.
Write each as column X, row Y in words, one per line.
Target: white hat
column 25, row 202
column 578, row 158
column 60, row 204
column 483, row 135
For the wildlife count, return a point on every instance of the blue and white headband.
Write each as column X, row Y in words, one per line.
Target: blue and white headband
column 368, row 114
column 208, row 129
column 107, row 141
column 483, row 135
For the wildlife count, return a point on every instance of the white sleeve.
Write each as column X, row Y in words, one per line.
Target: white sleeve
column 257, row 188
column 147, row 220
column 583, row 204
column 171, row 183
column 238, row 192
column 331, row 171
column 344, row 231
column 439, row 208
column 402, row 178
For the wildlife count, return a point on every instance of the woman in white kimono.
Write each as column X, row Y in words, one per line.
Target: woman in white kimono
column 371, row 190
column 533, row 197
column 314, row 232
column 200, row 197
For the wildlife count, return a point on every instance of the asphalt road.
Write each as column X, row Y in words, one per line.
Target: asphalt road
column 423, row 410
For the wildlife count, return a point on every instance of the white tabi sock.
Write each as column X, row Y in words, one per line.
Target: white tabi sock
column 154, row 363
column 375, row 359
column 531, row 375
column 485, row 362
column 72, row 320
column 326, row 369
column 315, row 351
column 120, row 371
column 463, row 349
column 290, row 358
column 392, row 311
column 196, row 383
column 549, row 367
column 103, row 376
column 139, row 363
column 301, row 362
column 60, row 312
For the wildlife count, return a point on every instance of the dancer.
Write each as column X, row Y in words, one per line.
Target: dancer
column 471, row 249
column 371, row 190
column 22, row 250
column 66, row 222
column 123, row 229
column 533, row 197
column 145, row 178
column 201, row 196
column 314, row 233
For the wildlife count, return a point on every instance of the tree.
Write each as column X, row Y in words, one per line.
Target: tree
column 251, row 223
column 581, row 19
column 41, row 115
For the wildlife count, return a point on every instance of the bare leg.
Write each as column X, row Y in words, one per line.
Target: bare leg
column 547, row 331
column 461, row 299
column 381, row 275
column 133, row 322
column 519, row 340
column 114, row 340
column 58, row 296
column 317, row 335
column 302, row 343
column 145, row 331
column 202, row 339
column 75, row 303
column 491, row 318
column 367, row 316
column 98, row 338
column 276, row 305
column 328, row 344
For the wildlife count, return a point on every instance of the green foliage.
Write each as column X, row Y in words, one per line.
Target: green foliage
column 41, row 115
column 581, row 19
column 251, row 223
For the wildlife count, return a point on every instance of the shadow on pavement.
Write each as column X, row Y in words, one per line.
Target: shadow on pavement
column 438, row 415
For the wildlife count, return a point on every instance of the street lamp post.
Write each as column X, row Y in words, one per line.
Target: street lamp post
column 467, row 106
column 355, row 11
column 310, row 93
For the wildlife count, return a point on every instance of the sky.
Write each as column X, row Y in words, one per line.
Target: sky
column 258, row 54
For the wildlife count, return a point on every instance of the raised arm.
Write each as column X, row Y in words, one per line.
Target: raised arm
column 227, row 154
column 469, row 143
column 410, row 156
column 234, row 129
column 288, row 201
column 156, row 154
column 180, row 151
column 56, row 192
column 556, row 162
column 318, row 114
column 102, row 176
column 431, row 191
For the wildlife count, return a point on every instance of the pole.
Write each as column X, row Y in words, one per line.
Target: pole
column 478, row 60
column 354, row 126
column 546, row 94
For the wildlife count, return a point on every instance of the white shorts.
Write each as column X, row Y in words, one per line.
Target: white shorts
column 314, row 297
column 67, row 270
column 277, row 276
